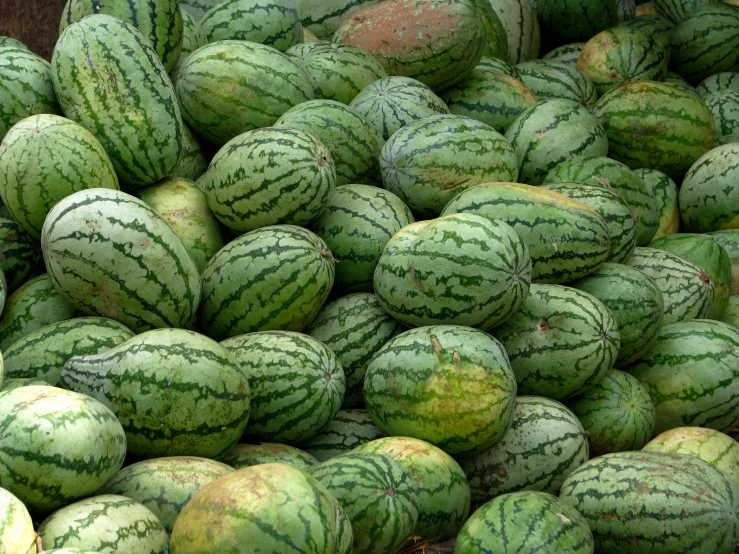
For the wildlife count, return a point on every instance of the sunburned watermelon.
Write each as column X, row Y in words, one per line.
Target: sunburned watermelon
column 247, row 455
column 348, row 430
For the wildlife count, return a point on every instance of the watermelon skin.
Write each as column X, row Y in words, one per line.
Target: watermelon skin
column 449, row 385
column 439, row 482
column 16, row 527
column 551, row 79
column 581, row 237
column 247, row 455
column 563, row 21
column 285, row 274
column 57, row 446
column 42, row 354
column 521, row 26
column 265, row 82
column 150, row 283
column 667, row 140
column 105, row 521
column 323, row 17
column 394, row 102
column 13, row 43
column 22, row 258
column 197, row 8
column 193, row 38
column 659, row 505
column 437, row 42
column 177, row 365
column 26, row 89
column 482, row 288
column 545, row 443
column 677, row 10
column 102, row 44
column 524, row 522
column 658, row 27
column 350, row 429
column 11, row 384
column 566, row 54
column 195, row 157
column 571, row 131
column 297, row 384
column 665, row 192
column 278, row 509
column 354, row 327
column 718, row 82
column 377, row 495
column 725, row 109
column 731, row 315
column 165, row 485
column 728, row 239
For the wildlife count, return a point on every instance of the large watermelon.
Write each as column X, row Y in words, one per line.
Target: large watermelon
column 350, row 429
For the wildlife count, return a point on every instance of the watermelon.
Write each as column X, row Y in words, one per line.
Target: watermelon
column 725, row 109
column 665, row 192
column 731, row 315
column 354, row 327
column 57, row 446
column 139, row 272
column 655, row 26
column 323, row 17
column 440, row 484
column 197, row 8
column 247, row 455
column 449, row 385
column 424, row 278
column 718, row 82
column 193, row 38
column 675, row 80
column 543, row 446
column 105, row 522
column 377, row 495
column 526, row 521
column 232, row 86
column 337, row 71
column 729, row 241
column 636, row 502
column 16, row 527
column 11, row 42
column 275, row 509
column 566, row 54
column 69, row 551
column 626, row 9
column 350, row 429
column 297, row 384
column 26, row 88
column 437, row 42
column 175, row 392
column 42, row 353
column 495, row 65
column 521, row 26
column 550, row 79
column 553, row 131
column 567, row 240
column 271, row 22
column 11, row 384
column 570, row 21
column 394, row 102
column 676, row 10
column 45, row 158
column 106, row 45
column 647, row 8
column 195, row 157
column 165, row 485
column 21, row 257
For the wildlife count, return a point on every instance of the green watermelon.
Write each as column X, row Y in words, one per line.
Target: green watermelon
column 677, row 10
column 550, row 79
column 496, row 43
column 567, row 240
column 57, row 446
column 424, row 277
column 729, row 241
column 139, row 272
column 297, row 384
column 496, row 65
column 566, row 54
column 675, row 80
column 195, row 157
column 665, row 192
column 108, row 46
column 449, row 385
column 354, row 327
column 731, row 315
column 569, row 21
column 247, row 455
column 17, row 534
column 718, row 82
column 20, row 254
column 551, row 132
column 725, row 109
column 165, row 485
column 273, row 278
column 11, row 42
column 521, row 26
column 323, row 17
column 274, row 509
column 193, row 38
column 197, row 8
column 545, row 443
column 637, row 502
column 11, row 384
column 350, row 429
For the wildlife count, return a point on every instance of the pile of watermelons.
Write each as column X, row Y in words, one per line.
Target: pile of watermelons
column 361, row 277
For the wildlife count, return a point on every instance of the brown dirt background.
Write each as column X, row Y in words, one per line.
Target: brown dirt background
column 33, row 22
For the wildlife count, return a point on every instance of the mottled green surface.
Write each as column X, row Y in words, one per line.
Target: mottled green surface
column 16, row 528
column 246, row 455
column 350, row 429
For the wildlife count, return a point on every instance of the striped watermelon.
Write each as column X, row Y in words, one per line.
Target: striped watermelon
column 562, row 341
column 57, row 446
column 566, row 54
column 10, row 384
column 165, row 485
column 337, row 71
column 617, row 413
column 323, row 17
column 731, row 315
column 105, row 45
column 232, row 86
column 45, row 158
column 569, row 21
column 626, row 9
column 110, row 522
column 350, row 429
column 567, row 240
column 635, row 301
column 551, row 132
column 496, row 43
column 283, row 275
column 17, row 534
column 354, row 327
column 655, row 125
column 725, row 109
column 675, row 80
column 197, row 8
column 195, row 157
column 677, row 10
column 275, row 509
column 21, row 257
column 521, row 25
column 42, row 353
column 440, row 484
column 247, row 455
column 545, row 443
column 495, row 65
column 718, row 82
column 692, row 375
column 665, row 192
column 656, row 26
column 662, row 503
column 297, row 384
column 139, row 272
column 13, row 43
column 394, row 102
column 527, row 521
column 482, row 286
column 729, row 241
column 251, row 172
column 377, row 495
column 193, row 38
column 551, row 79
column 449, row 385
column 175, row 392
